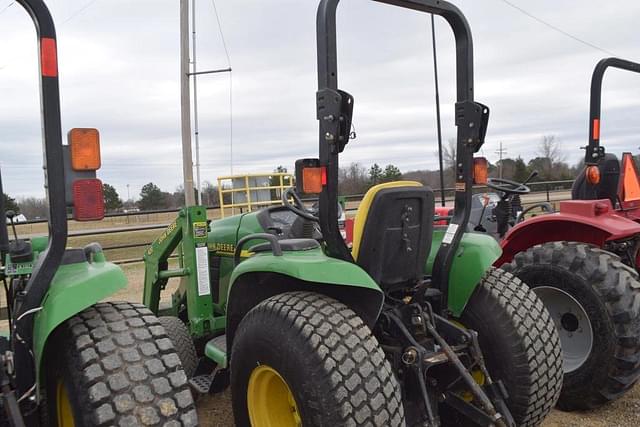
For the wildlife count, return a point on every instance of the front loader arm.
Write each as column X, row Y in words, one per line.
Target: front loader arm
column 188, row 234
column 156, row 262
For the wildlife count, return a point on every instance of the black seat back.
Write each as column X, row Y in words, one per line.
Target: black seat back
column 397, row 235
column 607, row 188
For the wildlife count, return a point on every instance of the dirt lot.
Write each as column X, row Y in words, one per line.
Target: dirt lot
column 215, row 411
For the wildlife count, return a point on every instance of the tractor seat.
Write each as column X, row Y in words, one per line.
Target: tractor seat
column 392, row 232
column 287, row 245
column 607, row 188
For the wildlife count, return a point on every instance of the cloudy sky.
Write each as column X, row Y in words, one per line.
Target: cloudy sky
column 119, row 72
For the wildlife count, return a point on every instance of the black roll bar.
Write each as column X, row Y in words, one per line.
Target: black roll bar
column 471, row 120
column 51, row 258
column 594, row 152
column 4, row 233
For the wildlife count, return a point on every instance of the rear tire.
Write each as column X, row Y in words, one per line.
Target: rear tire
column 578, row 280
column 334, row 370
column 519, row 342
column 113, row 364
column 183, row 343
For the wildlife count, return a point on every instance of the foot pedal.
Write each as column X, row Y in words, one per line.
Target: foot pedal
column 201, row 384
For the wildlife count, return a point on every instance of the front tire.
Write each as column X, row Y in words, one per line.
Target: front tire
column 302, row 358
column 519, row 342
column 182, row 341
column 114, row 365
column 595, row 302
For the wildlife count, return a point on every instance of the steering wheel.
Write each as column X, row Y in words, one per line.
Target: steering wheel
column 297, row 206
column 507, row 186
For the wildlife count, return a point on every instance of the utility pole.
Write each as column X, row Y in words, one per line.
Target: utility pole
column 185, row 105
column 435, row 71
column 128, row 194
column 195, row 73
column 501, row 151
column 196, row 127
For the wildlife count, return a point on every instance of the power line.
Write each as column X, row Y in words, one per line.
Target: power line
column 501, row 151
column 79, row 11
column 226, row 52
column 7, row 7
column 73, row 15
column 559, row 30
column 224, row 42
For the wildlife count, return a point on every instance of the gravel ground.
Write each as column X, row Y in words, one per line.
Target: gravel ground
column 215, row 411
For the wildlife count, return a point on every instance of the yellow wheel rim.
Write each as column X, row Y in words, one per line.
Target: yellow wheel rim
column 63, row 406
column 270, row 401
column 477, row 374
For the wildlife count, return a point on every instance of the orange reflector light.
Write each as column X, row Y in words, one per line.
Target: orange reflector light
column 480, row 171
column 593, row 175
column 630, row 184
column 596, row 128
column 85, row 149
column 88, row 200
column 48, row 57
column 312, row 180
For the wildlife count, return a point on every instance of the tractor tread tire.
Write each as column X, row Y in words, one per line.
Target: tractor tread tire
column 182, row 341
column 618, row 291
column 123, row 368
column 357, row 387
column 509, row 311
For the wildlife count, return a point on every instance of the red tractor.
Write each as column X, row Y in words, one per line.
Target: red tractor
column 583, row 262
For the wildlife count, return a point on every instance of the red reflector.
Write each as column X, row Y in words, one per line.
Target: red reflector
column 88, row 200
column 48, row 57
column 324, row 175
column 596, row 128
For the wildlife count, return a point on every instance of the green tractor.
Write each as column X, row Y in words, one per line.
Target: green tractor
column 69, row 359
column 413, row 326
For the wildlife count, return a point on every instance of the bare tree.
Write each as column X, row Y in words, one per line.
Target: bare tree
column 449, row 154
column 353, row 179
column 550, row 151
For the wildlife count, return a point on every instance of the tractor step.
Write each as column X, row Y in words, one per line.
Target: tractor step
column 201, row 384
column 216, row 350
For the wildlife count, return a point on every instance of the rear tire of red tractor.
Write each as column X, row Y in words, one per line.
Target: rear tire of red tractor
column 594, row 300
column 302, row 358
column 113, row 365
column 519, row 342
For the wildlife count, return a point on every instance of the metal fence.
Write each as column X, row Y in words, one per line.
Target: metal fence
column 550, row 191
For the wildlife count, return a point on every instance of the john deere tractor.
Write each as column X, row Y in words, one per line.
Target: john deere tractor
column 412, row 326
column 69, row 359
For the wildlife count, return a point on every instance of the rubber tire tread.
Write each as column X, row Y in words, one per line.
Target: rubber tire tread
column 520, row 344
column 182, row 341
column 614, row 365
column 328, row 356
column 120, row 368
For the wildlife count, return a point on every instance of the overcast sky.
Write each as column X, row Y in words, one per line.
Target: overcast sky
column 119, row 72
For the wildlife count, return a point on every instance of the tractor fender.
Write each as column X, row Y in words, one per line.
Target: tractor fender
column 265, row 275
column 475, row 255
column 593, row 222
column 74, row 288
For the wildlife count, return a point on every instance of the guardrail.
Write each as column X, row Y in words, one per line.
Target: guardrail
column 544, row 190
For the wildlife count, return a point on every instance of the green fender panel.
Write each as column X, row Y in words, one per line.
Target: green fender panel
column 309, row 266
column 476, row 254
column 74, row 288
